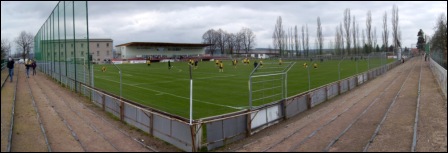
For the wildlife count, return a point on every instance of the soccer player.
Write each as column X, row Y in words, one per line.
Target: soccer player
column 221, row 66
column 103, row 69
column 261, row 63
column 315, row 65
column 217, row 62
column 234, row 63
column 305, row 65
column 280, row 62
column 196, row 64
column 148, row 62
column 169, row 64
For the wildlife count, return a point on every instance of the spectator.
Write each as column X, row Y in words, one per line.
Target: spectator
column 28, row 65
column 10, row 66
column 33, row 65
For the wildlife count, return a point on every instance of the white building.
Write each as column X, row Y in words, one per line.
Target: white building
column 159, row 50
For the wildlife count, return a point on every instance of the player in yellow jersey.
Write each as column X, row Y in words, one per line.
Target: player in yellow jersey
column 261, row 63
column 103, row 69
column 305, row 65
column 148, row 62
column 221, row 66
column 315, row 65
column 280, row 62
column 234, row 62
column 217, row 62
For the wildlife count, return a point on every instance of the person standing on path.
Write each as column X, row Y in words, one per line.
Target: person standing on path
column 28, row 65
column 10, row 66
column 33, row 65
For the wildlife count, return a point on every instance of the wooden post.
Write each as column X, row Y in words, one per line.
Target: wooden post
column 193, row 138
column 151, row 126
column 103, row 99
column 308, row 101
column 339, row 87
column 121, row 110
column 249, row 125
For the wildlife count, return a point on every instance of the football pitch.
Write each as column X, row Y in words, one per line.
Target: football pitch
column 214, row 92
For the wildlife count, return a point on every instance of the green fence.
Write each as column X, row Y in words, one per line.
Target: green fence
column 62, row 45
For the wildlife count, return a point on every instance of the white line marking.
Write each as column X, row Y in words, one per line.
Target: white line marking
column 237, row 108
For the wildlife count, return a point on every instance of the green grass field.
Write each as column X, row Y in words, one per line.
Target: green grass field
column 214, row 92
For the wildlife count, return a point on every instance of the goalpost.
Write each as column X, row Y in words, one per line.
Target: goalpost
column 268, row 83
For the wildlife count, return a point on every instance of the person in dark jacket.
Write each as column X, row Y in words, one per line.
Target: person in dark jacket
column 33, row 65
column 10, row 66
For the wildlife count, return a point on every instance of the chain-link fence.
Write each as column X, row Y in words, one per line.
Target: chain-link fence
column 61, row 45
column 440, row 57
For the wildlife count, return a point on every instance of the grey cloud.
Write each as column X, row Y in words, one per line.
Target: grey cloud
column 186, row 21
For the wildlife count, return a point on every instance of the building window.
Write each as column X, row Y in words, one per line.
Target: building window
column 71, row 45
column 82, row 45
column 62, row 45
column 107, row 53
column 97, row 45
column 107, row 44
column 98, row 59
column 62, row 53
column 72, row 53
column 97, row 53
column 82, row 53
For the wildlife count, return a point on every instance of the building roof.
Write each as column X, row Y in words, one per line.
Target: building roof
column 158, row 44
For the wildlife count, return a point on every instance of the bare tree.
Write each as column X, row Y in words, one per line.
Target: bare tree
column 369, row 31
column 230, row 42
column 5, row 48
column 357, row 39
column 342, row 38
column 307, row 42
column 249, row 39
column 354, row 36
column 221, row 40
column 385, row 33
column 439, row 39
column 337, row 47
column 296, row 42
column 399, row 37
column 320, row 38
column 303, row 41
column 239, row 37
column 291, row 41
column 363, row 40
column 25, row 42
column 395, row 26
column 374, row 38
column 278, row 35
column 347, row 29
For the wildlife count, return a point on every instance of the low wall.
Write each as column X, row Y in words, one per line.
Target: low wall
column 440, row 75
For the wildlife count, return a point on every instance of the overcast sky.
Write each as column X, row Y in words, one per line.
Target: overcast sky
column 186, row 22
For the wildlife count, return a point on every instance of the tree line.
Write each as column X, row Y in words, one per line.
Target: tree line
column 229, row 43
column 347, row 37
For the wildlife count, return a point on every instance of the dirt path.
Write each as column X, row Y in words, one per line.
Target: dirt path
column 348, row 122
column 27, row 135
column 432, row 126
column 70, row 121
column 94, row 129
column 6, row 108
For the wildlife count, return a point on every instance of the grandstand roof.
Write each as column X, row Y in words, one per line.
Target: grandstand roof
column 159, row 44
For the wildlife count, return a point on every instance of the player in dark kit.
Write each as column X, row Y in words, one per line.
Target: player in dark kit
column 169, row 64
